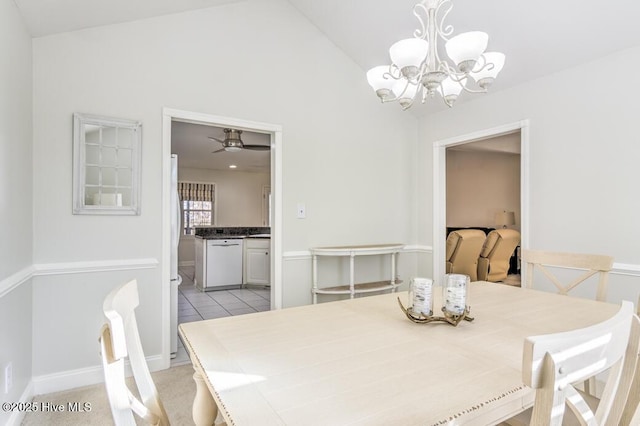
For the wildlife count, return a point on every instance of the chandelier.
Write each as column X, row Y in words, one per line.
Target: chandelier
column 418, row 70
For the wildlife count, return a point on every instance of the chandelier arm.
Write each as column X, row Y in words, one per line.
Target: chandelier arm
column 486, row 65
column 444, row 32
column 466, row 89
column 389, row 74
column 459, row 77
column 422, row 31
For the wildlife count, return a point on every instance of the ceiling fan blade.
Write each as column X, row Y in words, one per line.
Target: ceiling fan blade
column 216, row 139
column 220, row 150
column 257, row 147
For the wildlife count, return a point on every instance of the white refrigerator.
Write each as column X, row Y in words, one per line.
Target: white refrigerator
column 176, row 228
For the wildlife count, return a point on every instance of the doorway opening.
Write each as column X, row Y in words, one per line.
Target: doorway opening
column 511, row 137
column 267, row 171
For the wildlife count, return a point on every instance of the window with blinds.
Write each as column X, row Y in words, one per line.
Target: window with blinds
column 197, row 205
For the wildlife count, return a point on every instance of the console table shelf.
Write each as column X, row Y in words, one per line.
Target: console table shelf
column 354, row 288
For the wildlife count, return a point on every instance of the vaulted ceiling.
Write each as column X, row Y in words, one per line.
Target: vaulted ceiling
column 538, row 37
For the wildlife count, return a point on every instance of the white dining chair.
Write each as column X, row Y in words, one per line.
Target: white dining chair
column 631, row 414
column 552, row 363
column 592, row 264
column 119, row 340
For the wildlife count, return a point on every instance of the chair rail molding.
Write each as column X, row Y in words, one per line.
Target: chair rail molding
column 625, row 269
column 62, row 268
column 15, row 280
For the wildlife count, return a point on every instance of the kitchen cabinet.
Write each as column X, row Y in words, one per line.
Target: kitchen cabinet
column 257, row 261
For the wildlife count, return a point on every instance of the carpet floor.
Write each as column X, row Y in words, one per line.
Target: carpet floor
column 175, row 386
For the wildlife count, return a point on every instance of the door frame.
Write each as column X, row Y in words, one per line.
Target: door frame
column 275, row 132
column 440, row 189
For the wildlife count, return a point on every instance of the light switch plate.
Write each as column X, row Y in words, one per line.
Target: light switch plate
column 301, row 211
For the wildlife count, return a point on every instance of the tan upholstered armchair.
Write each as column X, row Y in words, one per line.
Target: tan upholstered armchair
column 463, row 248
column 493, row 263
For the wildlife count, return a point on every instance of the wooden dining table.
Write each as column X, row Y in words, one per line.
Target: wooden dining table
column 362, row 362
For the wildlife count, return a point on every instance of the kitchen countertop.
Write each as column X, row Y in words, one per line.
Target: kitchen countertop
column 231, row 237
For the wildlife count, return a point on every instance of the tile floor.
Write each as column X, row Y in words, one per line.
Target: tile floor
column 195, row 305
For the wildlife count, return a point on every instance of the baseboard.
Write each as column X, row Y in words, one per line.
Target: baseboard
column 71, row 379
column 18, row 415
column 187, row 263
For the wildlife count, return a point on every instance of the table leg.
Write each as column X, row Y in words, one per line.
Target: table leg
column 205, row 409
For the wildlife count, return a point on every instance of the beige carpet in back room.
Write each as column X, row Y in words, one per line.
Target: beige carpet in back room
column 175, row 386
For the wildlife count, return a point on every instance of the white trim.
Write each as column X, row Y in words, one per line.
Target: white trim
column 62, row 268
column 187, row 263
column 625, row 269
column 275, row 131
column 296, row 255
column 417, row 249
column 439, row 185
column 13, row 281
column 70, row 379
column 616, row 269
column 17, row 416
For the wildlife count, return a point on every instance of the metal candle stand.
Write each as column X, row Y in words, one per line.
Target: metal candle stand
column 449, row 318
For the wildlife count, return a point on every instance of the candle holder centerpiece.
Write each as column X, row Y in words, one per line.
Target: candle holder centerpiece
column 455, row 302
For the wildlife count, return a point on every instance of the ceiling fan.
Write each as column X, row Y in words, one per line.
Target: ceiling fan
column 233, row 143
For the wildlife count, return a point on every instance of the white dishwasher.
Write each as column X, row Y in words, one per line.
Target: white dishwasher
column 224, row 263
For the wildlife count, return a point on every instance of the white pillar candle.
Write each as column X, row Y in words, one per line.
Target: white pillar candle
column 422, row 295
column 455, row 294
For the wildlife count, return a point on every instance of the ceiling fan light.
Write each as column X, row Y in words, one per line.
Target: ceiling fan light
column 465, row 49
column 408, row 55
column 232, row 149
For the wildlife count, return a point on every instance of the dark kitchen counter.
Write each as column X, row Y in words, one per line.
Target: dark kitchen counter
column 221, row 237
column 227, row 233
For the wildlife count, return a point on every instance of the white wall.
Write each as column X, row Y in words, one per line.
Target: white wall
column 16, row 231
column 584, row 150
column 348, row 157
column 481, row 184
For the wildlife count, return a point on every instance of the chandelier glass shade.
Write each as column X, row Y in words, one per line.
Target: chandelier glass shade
column 418, row 70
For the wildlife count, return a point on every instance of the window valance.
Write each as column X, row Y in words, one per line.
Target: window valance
column 196, row 191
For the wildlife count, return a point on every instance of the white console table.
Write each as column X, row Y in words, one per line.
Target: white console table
column 354, row 288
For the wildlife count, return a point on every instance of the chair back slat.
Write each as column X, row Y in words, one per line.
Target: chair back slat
column 594, row 264
column 553, row 363
column 631, row 413
column 120, row 340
